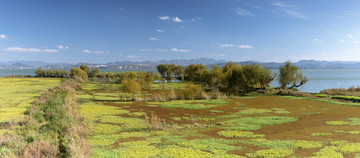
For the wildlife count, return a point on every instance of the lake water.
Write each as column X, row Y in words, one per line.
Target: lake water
column 319, row 79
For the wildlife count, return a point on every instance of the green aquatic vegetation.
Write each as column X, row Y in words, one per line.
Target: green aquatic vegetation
column 251, row 111
column 354, row 121
column 178, row 152
column 282, row 112
column 187, row 106
column 94, row 111
column 99, row 152
column 176, row 118
column 339, row 142
column 160, row 133
column 303, row 144
column 105, row 128
column 255, row 123
column 339, row 131
column 320, row 134
column 349, row 148
column 213, row 101
column 138, row 152
column 217, row 111
column 101, row 142
column 133, row 124
column 353, row 132
column 207, row 144
column 337, row 123
column 327, row 152
column 288, row 144
column 109, row 139
column 235, row 133
column 273, row 153
column 278, row 109
column 322, row 100
column 240, row 104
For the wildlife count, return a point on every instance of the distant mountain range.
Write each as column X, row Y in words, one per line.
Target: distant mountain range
column 151, row 65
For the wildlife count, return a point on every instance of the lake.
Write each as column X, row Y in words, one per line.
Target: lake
column 319, row 79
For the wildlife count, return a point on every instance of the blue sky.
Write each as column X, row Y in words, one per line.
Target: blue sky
column 100, row 31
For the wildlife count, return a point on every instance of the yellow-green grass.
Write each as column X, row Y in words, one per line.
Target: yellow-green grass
column 18, row 93
column 320, row 134
column 337, row 123
column 273, row 153
column 286, row 144
column 255, row 123
column 239, row 134
column 354, row 121
column 251, row 111
column 94, row 111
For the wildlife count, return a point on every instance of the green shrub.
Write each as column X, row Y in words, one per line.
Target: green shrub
column 322, row 95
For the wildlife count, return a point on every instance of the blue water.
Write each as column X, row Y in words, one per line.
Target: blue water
column 17, row 72
column 319, row 79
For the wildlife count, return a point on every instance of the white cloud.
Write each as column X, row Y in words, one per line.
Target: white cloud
column 164, row 17
column 342, row 40
column 63, row 47
column 245, row 46
column 280, row 4
column 29, row 50
column 349, row 36
column 227, row 45
column 50, row 50
column 94, row 52
column 3, row 36
column 288, row 10
column 317, row 40
column 356, row 42
column 243, row 12
column 294, row 14
column 196, row 19
column 161, row 50
column 179, row 50
column 177, row 19
column 153, row 39
column 159, row 30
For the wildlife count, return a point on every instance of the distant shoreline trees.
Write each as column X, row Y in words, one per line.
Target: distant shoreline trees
column 234, row 78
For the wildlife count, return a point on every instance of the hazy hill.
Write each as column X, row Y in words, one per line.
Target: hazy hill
column 151, row 65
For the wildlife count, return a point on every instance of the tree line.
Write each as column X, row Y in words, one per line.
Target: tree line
column 234, row 78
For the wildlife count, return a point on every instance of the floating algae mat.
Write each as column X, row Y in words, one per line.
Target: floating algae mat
column 261, row 126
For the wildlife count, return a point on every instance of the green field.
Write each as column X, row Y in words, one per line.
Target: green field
column 253, row 126
column 262, row 126
column 17, row 94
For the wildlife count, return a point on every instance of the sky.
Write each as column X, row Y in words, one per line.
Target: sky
column 101, row 31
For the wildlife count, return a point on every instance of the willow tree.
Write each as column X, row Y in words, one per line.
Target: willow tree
column 291, row 76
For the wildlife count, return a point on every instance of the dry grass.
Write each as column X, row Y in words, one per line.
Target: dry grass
column 40, row 150
column 154, row 122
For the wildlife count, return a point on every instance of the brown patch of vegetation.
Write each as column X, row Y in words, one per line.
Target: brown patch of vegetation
column 40, row 149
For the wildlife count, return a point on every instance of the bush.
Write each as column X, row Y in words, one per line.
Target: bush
column 78, row 74
column 193, row 91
